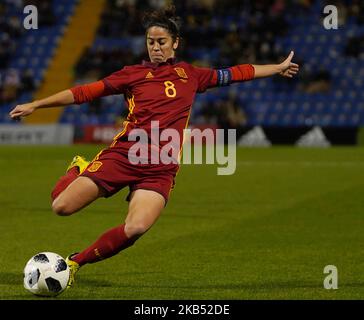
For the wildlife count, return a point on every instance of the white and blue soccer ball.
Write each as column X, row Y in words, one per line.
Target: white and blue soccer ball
column 46, row 274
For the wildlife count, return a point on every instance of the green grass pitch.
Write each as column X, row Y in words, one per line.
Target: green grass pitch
column 266, row 232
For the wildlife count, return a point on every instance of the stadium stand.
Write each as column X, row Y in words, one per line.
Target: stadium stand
column 328, row 92
column 31, row 50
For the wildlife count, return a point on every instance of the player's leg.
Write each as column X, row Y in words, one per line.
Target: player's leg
column 80, row 193
column 145, row 206
column 76, row 167
column 144, row 209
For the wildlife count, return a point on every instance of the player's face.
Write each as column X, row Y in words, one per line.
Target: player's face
column 160, row 45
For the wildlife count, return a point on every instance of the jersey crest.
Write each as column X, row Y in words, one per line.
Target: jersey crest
column 181, row 73
column 94, row 166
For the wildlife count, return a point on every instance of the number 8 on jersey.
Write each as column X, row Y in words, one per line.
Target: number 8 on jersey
column 170, row 90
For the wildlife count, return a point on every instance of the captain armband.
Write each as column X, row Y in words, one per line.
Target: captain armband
column 224, row 77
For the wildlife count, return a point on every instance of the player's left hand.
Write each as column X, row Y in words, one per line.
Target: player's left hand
column 288, row 68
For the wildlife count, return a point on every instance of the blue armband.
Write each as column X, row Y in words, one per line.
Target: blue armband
column 223, row 77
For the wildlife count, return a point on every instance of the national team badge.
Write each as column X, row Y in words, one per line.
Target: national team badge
column 181, row 73
column 94, row 166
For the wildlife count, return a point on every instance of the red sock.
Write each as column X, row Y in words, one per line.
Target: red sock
column 64, row 182
column 110, row 243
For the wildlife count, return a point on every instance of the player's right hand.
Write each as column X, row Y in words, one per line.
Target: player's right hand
column 22, row 110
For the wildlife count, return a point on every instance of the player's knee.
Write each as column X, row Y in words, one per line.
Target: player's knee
column 136, row 229
column 61, row 208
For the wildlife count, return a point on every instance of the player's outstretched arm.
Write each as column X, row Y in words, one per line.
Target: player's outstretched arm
column 286, row 69
column 62, row 98
column 247, row 72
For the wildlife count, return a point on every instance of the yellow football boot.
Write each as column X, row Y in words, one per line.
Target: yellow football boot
column 80, row 162
column 74, row 267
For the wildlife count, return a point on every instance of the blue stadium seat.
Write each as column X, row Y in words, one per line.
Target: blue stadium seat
column 35, row 49
column 266, row 101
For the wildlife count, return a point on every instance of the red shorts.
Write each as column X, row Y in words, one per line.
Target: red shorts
column 112, row 171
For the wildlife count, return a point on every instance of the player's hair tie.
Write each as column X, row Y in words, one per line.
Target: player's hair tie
column 173, row 22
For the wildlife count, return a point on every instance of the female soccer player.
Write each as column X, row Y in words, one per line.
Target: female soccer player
column 161, row 89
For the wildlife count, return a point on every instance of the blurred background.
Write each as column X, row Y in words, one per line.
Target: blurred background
column 80, row 41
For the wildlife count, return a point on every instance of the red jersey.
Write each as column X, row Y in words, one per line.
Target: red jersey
column 158, row 92
column 154, row 92
column 162, row 92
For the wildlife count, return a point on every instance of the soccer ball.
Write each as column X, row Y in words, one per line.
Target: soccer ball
column 46, row 274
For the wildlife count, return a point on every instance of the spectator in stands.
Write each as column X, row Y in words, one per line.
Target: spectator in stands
column 241, row 31
column 120, row 18
column 231, row 114
column 304, row 5
column 16, row 3
column 4, row 56
column 10, row 29
column 14, row 27
column 208, row 114
column 27, row 81
column 11, row 85
column 356, row 9
column 98, row 62
column 1, row 85
column 226, row 113
column 355, row 47
column 318, row 82
column 254, row 42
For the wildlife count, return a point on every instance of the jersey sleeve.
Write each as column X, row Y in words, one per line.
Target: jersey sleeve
column 118, row 82
column 204, row 78
column 88, row 92
column 209, row 78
